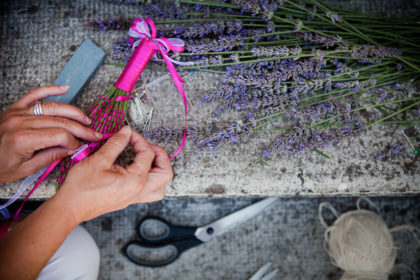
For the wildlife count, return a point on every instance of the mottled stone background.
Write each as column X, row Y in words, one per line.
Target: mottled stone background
column 38, row 37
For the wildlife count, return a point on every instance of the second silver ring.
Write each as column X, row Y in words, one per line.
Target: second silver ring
column 38, row 108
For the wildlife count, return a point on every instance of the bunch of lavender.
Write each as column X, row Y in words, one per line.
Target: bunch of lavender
column 312, row 64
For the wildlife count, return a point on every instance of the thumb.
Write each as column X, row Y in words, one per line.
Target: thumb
column 113, row 147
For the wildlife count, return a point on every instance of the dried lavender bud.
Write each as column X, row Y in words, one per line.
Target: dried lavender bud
column 262, row 113
column 310, row 85
column 122, row 50
column 260, row 76
column 277, row 51
column 255, row 80
column 233, row 27
column 224, row 92
column 315, row 38
column 311, row 16
column 200, row 30
column 165, row 134
column 298, row 26
column 371, row 51
column 264, row 8
column 321, row 110
column 110, row 24
column 267, row 101
column 171, row 32
column 256, row 34
column 230, row 134
column 300, row 140
column 235, row 57
column 128, row 2
column 357, row 85
column 271, row 27
column 334, row 17
column 209, row 60
column 296, row 51
column 222, row 44
column 391, row 151
column 166, row 12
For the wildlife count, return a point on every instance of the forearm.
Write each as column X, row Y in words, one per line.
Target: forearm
column 26, row 249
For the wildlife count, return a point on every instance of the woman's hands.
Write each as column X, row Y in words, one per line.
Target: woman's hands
column 28, row 142
column 93, row 186
column 96, row 185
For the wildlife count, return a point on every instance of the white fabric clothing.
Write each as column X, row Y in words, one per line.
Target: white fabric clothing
column 77, row 258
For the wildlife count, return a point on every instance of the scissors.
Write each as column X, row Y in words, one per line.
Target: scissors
column 163, row 243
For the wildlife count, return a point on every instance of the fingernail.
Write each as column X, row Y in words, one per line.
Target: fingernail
column 126, row 130
column 98, row 135
column 64, row 87
column 88, row 120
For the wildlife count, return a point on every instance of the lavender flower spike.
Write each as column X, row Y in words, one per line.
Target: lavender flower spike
column 334, row 17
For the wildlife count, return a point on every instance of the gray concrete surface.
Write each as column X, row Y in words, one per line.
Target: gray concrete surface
column 37, row 38
column 288, row 234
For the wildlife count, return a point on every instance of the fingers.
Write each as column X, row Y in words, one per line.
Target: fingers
column 52, row 108
column 113, row 147
column 44, row 158
column 40, row 93
column 75, row 128
column 161, row 173
column 145, row 155
column 161, row 160
column 32, row 140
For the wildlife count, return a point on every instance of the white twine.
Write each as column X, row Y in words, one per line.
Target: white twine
column 140, row 113
column 360, row 243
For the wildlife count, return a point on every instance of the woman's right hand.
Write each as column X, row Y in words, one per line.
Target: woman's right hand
column 96, row 185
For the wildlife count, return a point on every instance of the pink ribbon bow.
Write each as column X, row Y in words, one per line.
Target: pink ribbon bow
column 146, row 30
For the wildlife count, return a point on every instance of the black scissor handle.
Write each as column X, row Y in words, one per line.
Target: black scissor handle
column 168, row 231
column 177, row 247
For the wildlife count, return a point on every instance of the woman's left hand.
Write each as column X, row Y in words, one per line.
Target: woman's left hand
column 29, row 143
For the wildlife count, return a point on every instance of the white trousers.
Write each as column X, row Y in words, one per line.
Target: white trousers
column 77, row 258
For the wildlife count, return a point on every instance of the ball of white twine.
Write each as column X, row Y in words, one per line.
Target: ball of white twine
column 360, row 243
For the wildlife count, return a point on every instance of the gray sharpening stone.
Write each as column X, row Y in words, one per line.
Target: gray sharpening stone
column 81, row 66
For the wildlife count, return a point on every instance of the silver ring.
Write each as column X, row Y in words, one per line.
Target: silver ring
column 38, row 108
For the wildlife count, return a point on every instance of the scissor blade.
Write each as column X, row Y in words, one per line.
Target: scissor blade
column 258, row 275
column 224, row 224
column 270, row 275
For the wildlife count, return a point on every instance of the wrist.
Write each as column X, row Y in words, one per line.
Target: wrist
column 60, row 202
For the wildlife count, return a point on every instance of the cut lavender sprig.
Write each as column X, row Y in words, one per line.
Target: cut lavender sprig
column 313, row 69
column 222, row 43
column 299, row 139
column 229, row 134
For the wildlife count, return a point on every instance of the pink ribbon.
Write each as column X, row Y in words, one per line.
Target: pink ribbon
column 145, row 31
column 83, row 151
